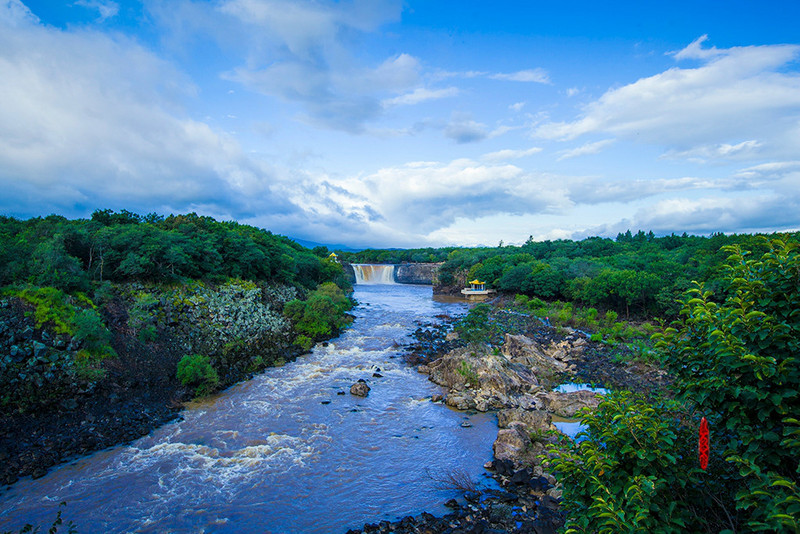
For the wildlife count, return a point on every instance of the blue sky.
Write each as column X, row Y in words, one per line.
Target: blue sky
column 388, row 123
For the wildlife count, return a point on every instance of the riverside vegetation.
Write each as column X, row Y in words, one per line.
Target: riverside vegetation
column 108, row 324
column 730, row 354
column 161, row 305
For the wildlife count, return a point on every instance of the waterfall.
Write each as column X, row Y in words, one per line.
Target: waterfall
column 374, row 274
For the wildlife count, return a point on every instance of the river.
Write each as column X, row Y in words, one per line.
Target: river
column 285, row 451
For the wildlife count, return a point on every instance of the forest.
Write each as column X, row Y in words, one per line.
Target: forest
column 636, row 275
column 210, row 295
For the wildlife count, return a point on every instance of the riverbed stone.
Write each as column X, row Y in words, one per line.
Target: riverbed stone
column 482, row 379
column 512, row 443
column 568, row 404
column 360, row 389
column 534, row 420
column 39, row 349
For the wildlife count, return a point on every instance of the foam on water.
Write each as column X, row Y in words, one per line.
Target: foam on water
column 283, row 452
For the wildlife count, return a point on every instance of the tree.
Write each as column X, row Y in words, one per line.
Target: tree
column 735, row 361
column 738, row 362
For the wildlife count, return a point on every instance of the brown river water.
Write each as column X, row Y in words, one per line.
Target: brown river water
column 284, row 452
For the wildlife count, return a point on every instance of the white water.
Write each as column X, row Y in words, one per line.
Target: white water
column 284, row 452
column 374, row 274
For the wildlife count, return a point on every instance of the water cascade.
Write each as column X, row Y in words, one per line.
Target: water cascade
column 374, row 274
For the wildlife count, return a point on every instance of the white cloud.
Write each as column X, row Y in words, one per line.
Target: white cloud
column 744, row 150
column 419, row 198
column 517, row 106
column 530, row 75
column 300, row 52
column 15, row 13
column 695, row 50
column 463, row 129
column 421, row 94
column 740, row 92
column 90, row 121
column 106, row 9
column 505, row 155
column 572, row 91
column 589, row 148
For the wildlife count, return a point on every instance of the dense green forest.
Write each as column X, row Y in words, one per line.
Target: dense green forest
column 635, row 274
column 125, row 247
column 208, row 296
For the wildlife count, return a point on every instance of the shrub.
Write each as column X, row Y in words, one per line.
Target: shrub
column 321, row 315
column 736, row 363
column 636, row 471
column 469, row 374
column 195, row 370
column 147, row 334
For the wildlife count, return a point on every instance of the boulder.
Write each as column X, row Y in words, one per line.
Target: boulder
column 545, row 362
column 534, row 420
column 568, row 404
column 360, row 389
column 511, row 443
column 39, row 350
column 514, row 444
column 483, row 379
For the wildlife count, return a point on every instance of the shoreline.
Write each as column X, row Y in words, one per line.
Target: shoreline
column 529, row 498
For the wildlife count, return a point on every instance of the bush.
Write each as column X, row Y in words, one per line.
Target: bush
column 636, row 471
column 195, row 370
column 736, row 363
column 321, row 315
column 477, row 326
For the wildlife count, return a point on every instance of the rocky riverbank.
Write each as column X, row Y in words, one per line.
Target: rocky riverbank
column 137, row 393
column 515, row 380
column 57, row 407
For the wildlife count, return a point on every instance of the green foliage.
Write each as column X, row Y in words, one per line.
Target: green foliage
column 75, row 316
column 52, row 307
column 92, row 332
column 734, row 362
column 321, row 315
column 737, row 362
column 469, row 374
column 196, row 371
column 148, row 334
column 636, row 471
column 125, row 247
column 478, row 326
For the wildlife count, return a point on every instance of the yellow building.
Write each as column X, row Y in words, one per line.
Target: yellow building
column 476, row 289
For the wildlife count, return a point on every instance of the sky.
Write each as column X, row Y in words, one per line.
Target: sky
column 383, row 123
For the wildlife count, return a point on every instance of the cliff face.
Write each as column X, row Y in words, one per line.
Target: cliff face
column 416, row 273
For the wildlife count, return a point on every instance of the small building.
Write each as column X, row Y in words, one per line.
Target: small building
column 333, row 257
column 477, row 289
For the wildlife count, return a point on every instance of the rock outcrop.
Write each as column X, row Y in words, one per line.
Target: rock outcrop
column 568, row 404
column 546, row 362
column 481, row 379
column 516, row 381
column 416, row 273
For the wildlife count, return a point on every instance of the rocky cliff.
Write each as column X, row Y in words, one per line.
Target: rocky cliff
column 416, row 273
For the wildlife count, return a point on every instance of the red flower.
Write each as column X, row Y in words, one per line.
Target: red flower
column 702, row 445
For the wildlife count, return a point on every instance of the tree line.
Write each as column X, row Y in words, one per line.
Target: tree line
column 636, row 274
column 124, row 247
